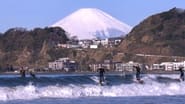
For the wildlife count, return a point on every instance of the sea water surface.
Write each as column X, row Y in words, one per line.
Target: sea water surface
column 84, row 89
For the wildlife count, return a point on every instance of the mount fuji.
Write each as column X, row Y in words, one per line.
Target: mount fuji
column 91, row 23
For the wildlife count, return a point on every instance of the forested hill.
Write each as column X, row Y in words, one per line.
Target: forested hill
column 19, row 46
column 159, row 34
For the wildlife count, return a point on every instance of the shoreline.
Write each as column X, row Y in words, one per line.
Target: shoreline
column 86, row 73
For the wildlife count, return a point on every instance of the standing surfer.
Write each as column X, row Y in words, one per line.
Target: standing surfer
column 181, row 73
column 22, row 72
column 138, row 72
column 101, row 75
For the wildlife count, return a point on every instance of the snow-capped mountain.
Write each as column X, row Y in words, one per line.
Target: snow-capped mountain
column 91, row 23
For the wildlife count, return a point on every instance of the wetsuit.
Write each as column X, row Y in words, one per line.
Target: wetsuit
column 23, row 73
column 138, row 72
column 32, row 74
column 101, row 73
column 181, row 74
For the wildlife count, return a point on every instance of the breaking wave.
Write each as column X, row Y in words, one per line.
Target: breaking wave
column 12, row 88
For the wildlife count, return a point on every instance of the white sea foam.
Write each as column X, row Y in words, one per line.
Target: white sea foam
column 151, row 87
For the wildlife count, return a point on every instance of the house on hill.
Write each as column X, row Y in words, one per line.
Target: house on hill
column 63, row 64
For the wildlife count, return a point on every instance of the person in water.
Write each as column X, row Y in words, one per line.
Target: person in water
column 101, row 75
column 22, row 72
column 138, row 72
column 32, row 74
column 181, row 73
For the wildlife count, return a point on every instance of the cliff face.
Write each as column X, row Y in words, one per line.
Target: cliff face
column 160, row 34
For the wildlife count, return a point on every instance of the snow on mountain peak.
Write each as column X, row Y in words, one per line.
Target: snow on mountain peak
column 90, row 23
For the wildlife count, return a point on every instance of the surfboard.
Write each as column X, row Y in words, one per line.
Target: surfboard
column 180, row 80
column 139, row 81
column 104, row 83
column 168, row 79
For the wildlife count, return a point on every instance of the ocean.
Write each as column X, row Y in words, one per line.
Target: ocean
column 84, row 89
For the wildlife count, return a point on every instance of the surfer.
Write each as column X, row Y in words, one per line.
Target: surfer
column 138, row 72
column 101, row 75
column 181, row 73
column 22, row 72
column 31, row 71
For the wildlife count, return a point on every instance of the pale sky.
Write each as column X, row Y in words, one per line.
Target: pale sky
column 41, row 13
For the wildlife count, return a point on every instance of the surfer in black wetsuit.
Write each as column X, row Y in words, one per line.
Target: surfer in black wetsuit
column 23, row 72
column 32, row 74
column 101, row 75
column 138, row 72
column 181, row 73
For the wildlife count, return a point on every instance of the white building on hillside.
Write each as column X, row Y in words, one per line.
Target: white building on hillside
column 85, row 43
column 170, row 66
column 63, row 64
